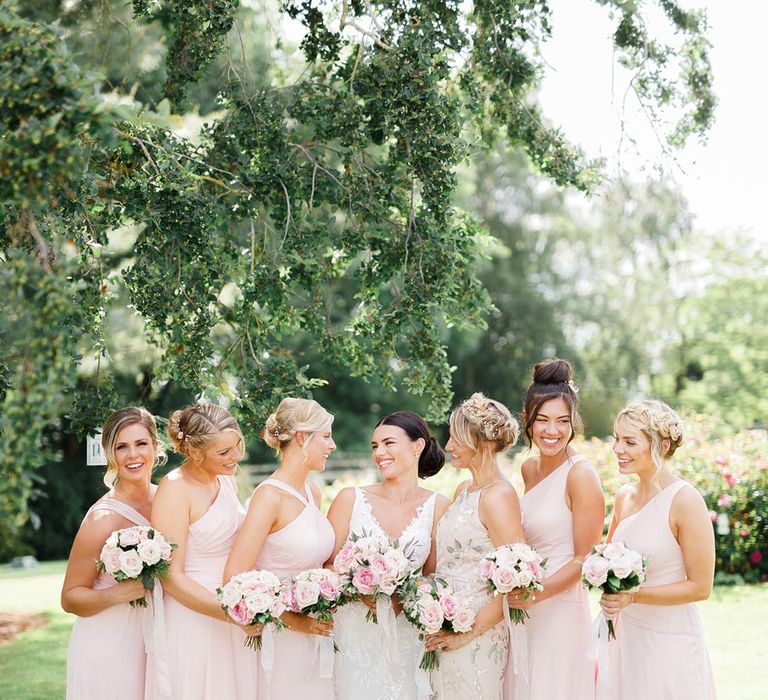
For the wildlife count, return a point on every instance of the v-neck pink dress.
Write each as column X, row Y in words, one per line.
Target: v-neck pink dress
column 207, row 659
column 107, row 655
column 304, row 543
column 660, row 651
column 559, row 629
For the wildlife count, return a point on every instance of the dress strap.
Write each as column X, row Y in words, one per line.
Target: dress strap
column 128, row 512
column 287, row 488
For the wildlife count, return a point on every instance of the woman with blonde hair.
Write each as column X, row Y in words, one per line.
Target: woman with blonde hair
column 285, row 533
column 197, row 507
column 106, row 649
column 659, row 650
column 485, row 514
column 563, row 513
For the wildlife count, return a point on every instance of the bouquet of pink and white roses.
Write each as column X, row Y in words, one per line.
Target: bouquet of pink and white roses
column 513, row 566
column 254, row 597
column 613, row 568
column 317, row 593
column 370, row 565
column 133, row 553
column 432, row 605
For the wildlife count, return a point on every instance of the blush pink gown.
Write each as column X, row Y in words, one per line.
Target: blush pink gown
column 304, row 543
column 207, row 659
column 558, row 632
column 106, row 655
column 660, row 651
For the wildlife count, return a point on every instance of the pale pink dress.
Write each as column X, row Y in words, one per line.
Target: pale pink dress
column 558, row 632
column 304, row 543
column 207, row 659
column 660, row 651
column 106, row 656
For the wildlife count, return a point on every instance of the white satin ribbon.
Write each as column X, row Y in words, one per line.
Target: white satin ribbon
column 267, row 652
column 518, row 648
column 153, row 627
column 385, row 617
column 599, row 648
column 324, row 656
column 421, row 678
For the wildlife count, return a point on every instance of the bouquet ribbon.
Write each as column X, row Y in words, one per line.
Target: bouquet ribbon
column 599, row 647
column 385, row 616
column 268, row 651
column 518, row 648
column 153, row 627
column 423, row 686
column 324, row 655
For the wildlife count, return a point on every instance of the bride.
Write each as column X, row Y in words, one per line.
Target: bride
column 368, row 664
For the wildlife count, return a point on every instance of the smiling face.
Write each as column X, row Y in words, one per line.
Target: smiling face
column 461, row 454
column 552, row 428
column 222, row 453
column 394, row 453
column 135, row 453
column 318, row 447
column 632, row 448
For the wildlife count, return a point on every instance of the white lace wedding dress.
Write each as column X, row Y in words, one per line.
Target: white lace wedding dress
column 364, row 670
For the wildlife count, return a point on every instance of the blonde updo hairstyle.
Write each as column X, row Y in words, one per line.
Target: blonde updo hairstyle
column 660, row 424
column 295, row 416
column 118, row 420
column 485, row 426
column 195, row 427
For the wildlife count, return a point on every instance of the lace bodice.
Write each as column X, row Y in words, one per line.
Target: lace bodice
column 416, row 537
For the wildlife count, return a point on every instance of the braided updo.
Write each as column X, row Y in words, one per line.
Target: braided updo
column 197, row 425
column 658, row 422
column 293, row 416
column 480, row 422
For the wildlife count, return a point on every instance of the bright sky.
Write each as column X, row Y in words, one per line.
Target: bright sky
column 725, row 179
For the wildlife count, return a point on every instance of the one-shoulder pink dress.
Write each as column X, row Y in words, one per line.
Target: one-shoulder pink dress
column 106, row 655
column 304, row 543
column 558, row 632
column 660, row 651
column 207, row 659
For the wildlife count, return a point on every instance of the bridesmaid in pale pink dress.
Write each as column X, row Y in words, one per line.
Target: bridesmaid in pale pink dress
column 660, row 650
column 563, row 512
column 107, row 650
column 285, row 532
column 197, row 507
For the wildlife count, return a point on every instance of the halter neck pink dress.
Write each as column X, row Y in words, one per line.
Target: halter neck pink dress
column 106, row 653
column 207, row 659
column 558, row 632
column 660, row 651
column 304, row 543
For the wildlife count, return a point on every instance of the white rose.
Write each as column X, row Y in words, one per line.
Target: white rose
column 112, row 540
column 231, row 594
column 258, row 602
column 150, row 551
column 131, row 564
column 464, row 619
column 306, row 593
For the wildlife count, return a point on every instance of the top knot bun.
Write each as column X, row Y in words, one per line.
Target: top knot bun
column 554, row 371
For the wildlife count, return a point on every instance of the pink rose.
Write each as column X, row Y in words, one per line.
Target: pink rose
column 239, row 613
column 328, row 590
column 613, row 551
column 713, row 516
column 486, row 568
column 143, row 534
column 165, row 551
column 365, row 580
column 131, row 564
column 450, row 606
column 149, row 551
column 622, row 567
column 379, row 565
column 464, row 619
column 345, row 558
column 129, row 537
column 431, row 616
column 277, row 607
column 724, row 501
column 110, row 557
column 505, row 579
column 595, row 570
column 306, row 593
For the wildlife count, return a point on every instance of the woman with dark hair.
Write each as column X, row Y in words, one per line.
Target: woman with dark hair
column 563, row 511
column 399, row 509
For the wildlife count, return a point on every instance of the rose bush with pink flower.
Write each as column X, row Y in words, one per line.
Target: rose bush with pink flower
column 133, row 553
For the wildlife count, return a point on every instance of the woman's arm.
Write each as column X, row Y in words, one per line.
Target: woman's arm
column 441, row 505
column 171, row 516
column 692, row 528
column 77, row 593
column 339, row 515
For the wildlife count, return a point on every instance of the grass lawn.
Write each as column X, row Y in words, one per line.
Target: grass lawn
column 33, row 667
